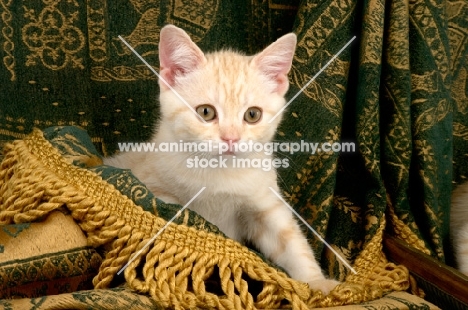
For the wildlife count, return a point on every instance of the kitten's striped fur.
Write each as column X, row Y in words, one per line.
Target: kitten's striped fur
column 238, row 201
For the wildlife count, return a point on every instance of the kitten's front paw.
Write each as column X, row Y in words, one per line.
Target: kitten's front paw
column 324, row 285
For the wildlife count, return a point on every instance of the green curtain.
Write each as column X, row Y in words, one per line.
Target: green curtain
column 399, row 92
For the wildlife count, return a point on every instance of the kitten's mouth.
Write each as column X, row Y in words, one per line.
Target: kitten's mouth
column 229, row 152
column 228, row 148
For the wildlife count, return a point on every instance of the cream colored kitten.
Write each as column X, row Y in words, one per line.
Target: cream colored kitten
column 459, row 226
column 236, row 96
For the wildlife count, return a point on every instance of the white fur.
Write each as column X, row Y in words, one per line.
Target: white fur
column 238, row 201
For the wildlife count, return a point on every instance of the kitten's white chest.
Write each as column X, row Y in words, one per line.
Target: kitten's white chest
column 223, row 210
column 228, row 196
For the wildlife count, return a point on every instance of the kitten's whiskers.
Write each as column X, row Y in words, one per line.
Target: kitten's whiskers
column 285, row 185
column 289, row 157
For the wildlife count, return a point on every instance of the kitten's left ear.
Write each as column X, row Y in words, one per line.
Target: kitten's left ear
column 275, row 61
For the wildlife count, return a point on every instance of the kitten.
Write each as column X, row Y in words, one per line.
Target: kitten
column 235, row 96
column 459, row 226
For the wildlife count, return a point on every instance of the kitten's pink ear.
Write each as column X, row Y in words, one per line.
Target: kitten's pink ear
column 178, row 55
column 275, row 61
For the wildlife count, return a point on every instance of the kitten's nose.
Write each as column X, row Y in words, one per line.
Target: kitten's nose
column 230, row 139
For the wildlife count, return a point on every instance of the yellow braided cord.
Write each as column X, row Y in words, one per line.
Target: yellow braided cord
column 373, row 264
column 403, row 232
column 35, row 180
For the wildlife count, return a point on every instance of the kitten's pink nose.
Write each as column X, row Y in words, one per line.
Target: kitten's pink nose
column 230, row 140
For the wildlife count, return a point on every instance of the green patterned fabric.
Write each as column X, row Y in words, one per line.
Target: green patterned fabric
column 399, row 92
column 36, row 260
column 122, row 298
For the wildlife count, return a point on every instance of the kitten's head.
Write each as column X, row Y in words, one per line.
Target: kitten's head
column 234, row 96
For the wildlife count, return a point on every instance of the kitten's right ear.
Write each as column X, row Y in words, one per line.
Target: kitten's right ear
column 178, row 54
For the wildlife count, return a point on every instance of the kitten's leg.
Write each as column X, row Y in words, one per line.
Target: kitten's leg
column 273, row 230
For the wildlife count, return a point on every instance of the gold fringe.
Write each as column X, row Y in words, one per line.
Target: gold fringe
column 403, row 232
column 35, row 180
column 415, row 289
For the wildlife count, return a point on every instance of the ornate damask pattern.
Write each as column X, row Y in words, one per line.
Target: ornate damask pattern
column 369, row 127
column 122, row 73
column 372, row 32
column 458, row 36
column 146, row 32
column 199, row 12
column 329, row 96
column 59, row 265
column 52, row 38
column 368, row 122
column 97, row 31
column 460, row 130
column 424, row 16
column 313, row 33
column 430, row 117
column 106, row 49
column 427, row 82
column 460, row 91
column 7, row 32
column 397, row 41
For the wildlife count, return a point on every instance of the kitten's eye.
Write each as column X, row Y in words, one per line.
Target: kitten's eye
column 252, row 115
column 207, row 112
